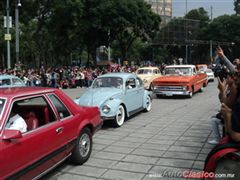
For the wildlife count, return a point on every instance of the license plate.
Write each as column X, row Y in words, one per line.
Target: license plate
column 169, row 94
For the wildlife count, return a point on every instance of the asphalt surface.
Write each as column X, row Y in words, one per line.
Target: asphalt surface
column 161, row 144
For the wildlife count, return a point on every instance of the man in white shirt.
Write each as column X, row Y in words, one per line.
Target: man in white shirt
column 16, row 122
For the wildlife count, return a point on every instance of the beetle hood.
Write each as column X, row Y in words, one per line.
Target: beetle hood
column 97, row 96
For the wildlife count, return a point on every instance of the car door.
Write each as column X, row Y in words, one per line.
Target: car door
column 38, row 149
column 132, row 95
column 69, row 121
column 196, row 80
column 141, row 90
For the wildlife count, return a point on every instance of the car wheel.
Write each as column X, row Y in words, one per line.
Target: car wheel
column 120, row 116
column 158, row 95
column 148, row 104
column 201, row 89
column 190, row 94
column 228, row 166
column 83, row 148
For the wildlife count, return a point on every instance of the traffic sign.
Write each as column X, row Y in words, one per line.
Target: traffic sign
column 7, row 37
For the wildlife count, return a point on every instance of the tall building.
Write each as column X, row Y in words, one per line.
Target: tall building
column 162, row 8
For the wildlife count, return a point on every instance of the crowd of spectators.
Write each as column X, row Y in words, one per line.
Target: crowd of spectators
column 63, row 77
column 229, row 96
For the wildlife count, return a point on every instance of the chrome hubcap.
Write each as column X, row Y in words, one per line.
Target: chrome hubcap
column 84, row 145
column 120, row 116
column 149, row 104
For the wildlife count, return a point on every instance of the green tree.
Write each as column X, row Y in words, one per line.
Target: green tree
column 225, row 29
column 123, row 21
column 135, row 20
column 237, row 6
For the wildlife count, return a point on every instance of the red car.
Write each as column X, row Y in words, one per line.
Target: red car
column 180, row 80
column 57, row 129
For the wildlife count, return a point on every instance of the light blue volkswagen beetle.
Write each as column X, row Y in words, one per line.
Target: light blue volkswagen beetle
column 118, row 95
column 11, row 81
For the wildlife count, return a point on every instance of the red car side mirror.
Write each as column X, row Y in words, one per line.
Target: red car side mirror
column 9, row 134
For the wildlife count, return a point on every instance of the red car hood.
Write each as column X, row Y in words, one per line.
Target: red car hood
column 173, row 79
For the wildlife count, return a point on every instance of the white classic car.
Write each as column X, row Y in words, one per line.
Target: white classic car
column 210, row 75
column 148, row 74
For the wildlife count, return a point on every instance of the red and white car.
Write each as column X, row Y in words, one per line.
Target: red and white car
column 180, row 80
column 57, row 129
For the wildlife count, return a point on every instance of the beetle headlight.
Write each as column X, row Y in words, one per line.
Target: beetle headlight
column 106, row 109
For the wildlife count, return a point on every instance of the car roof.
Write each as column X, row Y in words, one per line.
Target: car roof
column 7, row 76
column 181, row 66
column 122, row 75
column 22, row 91
column 148, row 68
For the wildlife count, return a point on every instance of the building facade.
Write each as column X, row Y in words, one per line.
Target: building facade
column 162, row 8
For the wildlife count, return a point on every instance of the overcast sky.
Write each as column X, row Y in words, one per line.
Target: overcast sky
column 220, row 7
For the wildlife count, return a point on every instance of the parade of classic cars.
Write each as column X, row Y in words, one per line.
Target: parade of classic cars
column 62, row 129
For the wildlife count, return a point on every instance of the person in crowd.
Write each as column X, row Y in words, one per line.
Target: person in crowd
column 232, row 115
column 53, row 79
column 16, row 122
column 78, row 78
column 227, row 95
column 82, row 78
column 233, row 67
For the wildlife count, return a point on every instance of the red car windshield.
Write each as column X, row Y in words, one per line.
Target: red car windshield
column 178, row 71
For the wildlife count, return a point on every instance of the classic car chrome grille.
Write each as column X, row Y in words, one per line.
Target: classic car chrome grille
column 169, row 88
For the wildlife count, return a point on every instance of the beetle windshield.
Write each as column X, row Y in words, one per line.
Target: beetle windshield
column 178, row 71
column 144, row 71
column 103, row 82
column 2, row 102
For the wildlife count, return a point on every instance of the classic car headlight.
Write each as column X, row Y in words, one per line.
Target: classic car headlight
column 105, row 109
column 184, row 88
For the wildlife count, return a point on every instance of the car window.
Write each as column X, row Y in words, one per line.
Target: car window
column 130, row 83
column 103, row 82
column 144, row 71
column 178, row 71
column 155, row 71
column 2, row 102
column 5, row 82
column 60, row 107
column 16, row 81
column 194, row 71
column 139, row 82
column 209, row 71
column 30, row 112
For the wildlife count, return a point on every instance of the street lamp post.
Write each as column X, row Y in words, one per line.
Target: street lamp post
column 109, row 46
column 186, row 47
column 211, row 54
column 8, row 40
column 17, row 5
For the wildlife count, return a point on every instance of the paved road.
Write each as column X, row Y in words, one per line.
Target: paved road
column 170, row 138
